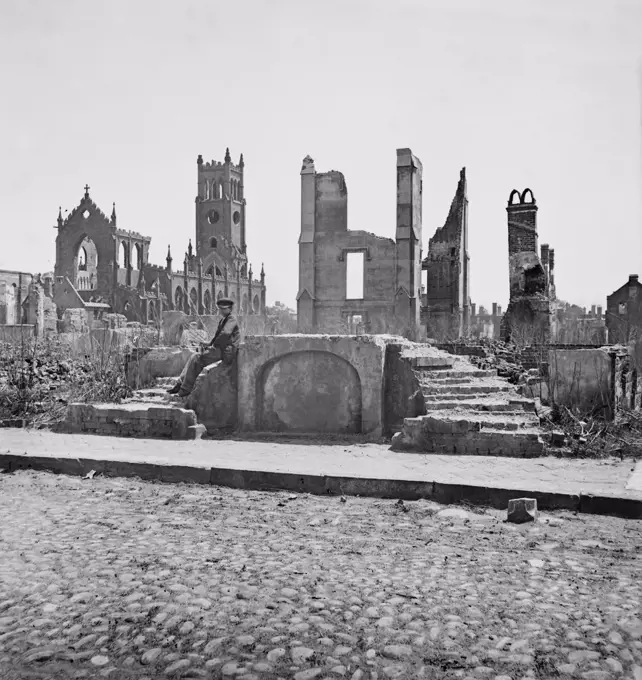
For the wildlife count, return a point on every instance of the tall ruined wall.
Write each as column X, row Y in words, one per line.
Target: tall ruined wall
column 391, row 268
column 624, row 312
column 528, row 315
column 447, row 270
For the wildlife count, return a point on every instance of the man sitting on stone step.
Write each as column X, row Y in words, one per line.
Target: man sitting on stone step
column 223, row 346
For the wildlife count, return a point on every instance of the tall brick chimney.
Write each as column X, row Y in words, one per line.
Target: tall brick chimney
column 522, row 222
column 494, row 309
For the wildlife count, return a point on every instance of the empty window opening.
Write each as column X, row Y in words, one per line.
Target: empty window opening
column 354, row 276
column 355, row 323
column 213, row 242
column 621, row 308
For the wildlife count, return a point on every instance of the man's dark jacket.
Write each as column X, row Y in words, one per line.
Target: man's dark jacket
column 227, row 335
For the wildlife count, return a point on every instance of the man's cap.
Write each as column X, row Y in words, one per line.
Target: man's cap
column 225, row 302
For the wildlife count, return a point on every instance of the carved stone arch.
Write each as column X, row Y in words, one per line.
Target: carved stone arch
column 218, row 272
column 207, row 302
column 206, row 190
column 178, row 298
column 193, row 299
column 215, row 193
column 309, row 391
column 221, row 189
column 514, row 193
column 138, row 250
column 527, row 192
column 123, row 254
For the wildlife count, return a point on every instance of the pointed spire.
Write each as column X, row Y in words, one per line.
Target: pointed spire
column 168, row 259
column 228, row 158
column 249, row 274
column 113, row 214
column 190, row 250
column 60, row 220
column 241, row 162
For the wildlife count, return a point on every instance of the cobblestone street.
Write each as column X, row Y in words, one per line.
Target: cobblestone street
column 121, row 579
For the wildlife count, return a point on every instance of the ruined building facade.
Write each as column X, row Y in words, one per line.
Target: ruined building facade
column 100, row 265
column 624, row 312
column 447, row 267
column 389, row 299
column 528, row 317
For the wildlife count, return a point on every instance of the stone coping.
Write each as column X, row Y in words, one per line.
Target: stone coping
column 601, row 487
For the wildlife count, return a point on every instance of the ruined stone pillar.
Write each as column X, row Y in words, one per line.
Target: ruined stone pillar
column 306, row 321
column 408, row 243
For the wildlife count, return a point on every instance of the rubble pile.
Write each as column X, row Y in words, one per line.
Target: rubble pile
column 37, row 380
column 489, row 354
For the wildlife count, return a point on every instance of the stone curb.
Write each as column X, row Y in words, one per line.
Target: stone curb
column 327, row 485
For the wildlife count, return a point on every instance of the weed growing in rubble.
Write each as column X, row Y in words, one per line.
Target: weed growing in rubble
column 38, row 378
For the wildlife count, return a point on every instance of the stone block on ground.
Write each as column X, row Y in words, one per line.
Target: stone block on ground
column 522, row 510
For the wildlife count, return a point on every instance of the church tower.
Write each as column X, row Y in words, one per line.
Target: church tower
column 220, row 206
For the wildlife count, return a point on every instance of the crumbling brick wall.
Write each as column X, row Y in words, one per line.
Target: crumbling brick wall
column 447, row 271
column 528, row 317
column 391, row 299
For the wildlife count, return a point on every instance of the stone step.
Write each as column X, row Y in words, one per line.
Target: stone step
column 476, row 404
column 502, row 420
column 456, row 373
column 438, row 361
column 148, row 420
column 418, row 438
column 430, row 379
column 471, row 388
column 449, row 396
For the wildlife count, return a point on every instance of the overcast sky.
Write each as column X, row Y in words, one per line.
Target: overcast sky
column 124, row 95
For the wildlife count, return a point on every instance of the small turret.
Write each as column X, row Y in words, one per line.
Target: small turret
column 249, row 274
column 262, row 274
column 199, row 160
column 190, row 250
column 168, row 259
column 60, row 220
column 113, row 215
column 241, row 162
column 228, row 158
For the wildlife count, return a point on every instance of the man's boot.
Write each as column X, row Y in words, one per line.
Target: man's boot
column 176, row 389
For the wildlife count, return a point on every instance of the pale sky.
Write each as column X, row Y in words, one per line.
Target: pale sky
column 124, row 95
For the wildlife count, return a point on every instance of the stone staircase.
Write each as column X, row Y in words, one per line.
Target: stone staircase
column 148, row 413
column 470, row 411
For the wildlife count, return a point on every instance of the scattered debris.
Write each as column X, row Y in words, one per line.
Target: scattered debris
column 522, row 510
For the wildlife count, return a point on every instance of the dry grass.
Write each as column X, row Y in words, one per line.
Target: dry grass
column 38, row 378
